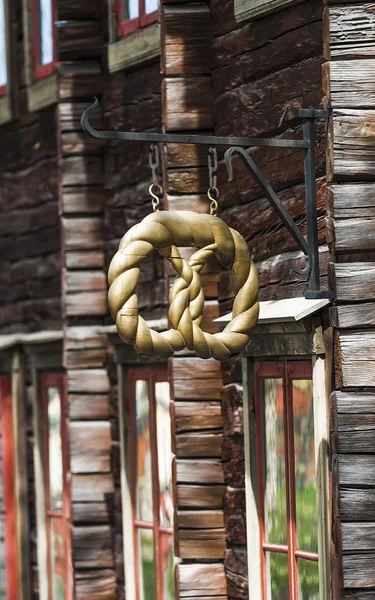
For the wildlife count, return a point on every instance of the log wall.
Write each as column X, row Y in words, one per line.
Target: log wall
column 349, row 80
column 29, row 227
column 264, row 71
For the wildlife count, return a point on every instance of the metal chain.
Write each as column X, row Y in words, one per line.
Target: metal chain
column 213, row 192
column 155, row 189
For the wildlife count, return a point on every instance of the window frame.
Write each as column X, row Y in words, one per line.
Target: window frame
column 127, row 369
column 128, row 26
column 301, row 340
column 288, row 370
column 42, row 71
column 55, row 379
column 9, row 494
column 6, row 93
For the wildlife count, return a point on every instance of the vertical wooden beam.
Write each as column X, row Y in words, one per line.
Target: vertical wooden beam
column 21, row 476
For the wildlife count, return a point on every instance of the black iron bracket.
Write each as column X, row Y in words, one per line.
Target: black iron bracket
column 236, row 146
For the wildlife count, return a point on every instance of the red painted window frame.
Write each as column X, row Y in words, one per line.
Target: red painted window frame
column 7, row 441
column 287, row 370
column 57, row 380
column 130, row 25
column 42, row 71
column 4, row 88
column 152, row 375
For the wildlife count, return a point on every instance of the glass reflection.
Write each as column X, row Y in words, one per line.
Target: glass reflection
column 277, row 576
column 151, row 6
column 308, row 572
column 2, row 531
column 57, row 559
column 143, row 453
column 146, row 564
column 167, row 565
column 55, row 449
column 274, row 462
column 130, row 9
column 304, row 452
column 46, row 31
column 3, row 53
column 163, row 425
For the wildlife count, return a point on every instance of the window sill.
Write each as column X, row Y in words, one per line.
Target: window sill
column 139, row 47
column 43, row 93
column 245, row 10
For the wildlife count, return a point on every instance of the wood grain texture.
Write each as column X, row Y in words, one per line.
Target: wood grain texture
column 201, row 580
column 351, row 30
column 200, row 496
column 92, row 546
column 90, row 444
column 92, row 488
column 190, row 103
column 199, row 519
column 351, row 200
column 352, row 153
column 191, row 416
column 199, row 471
column 355, row 358
column 353, row 281
column 353, row 316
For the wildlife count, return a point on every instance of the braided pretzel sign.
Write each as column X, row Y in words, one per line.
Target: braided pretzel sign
column 165, row 231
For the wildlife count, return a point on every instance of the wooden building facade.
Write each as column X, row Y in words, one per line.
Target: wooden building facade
column 128, row 477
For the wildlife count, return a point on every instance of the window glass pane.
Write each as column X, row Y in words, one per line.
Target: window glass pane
column 146, row 564
column 54, row 449
column 57, row 558
column 143, row 469
column 151, row 6
column 274, row 462
column 2, row 529
column 277, row 576
column 3, row 54
column 46, row 32
column 304, row 450
column 308, row 572
column 163, row 424
column 167, row 565
column 130, row 9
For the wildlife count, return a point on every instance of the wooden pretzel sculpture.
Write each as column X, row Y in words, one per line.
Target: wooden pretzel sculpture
column 165, row 231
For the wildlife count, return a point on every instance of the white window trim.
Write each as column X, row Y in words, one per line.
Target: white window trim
column 245, row 10
column 6, row 112
column 141, row 46
column 42, row 92
column 321, row 432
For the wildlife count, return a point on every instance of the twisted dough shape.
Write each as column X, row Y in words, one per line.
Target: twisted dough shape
column 165, row 231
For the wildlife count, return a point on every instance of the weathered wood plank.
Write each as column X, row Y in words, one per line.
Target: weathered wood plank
column 93, row 512
column 83, row 233
column 357, row 505
column 351, row 30
column 351, row 200
column 358, row 570
column 197, row 444
column 200, row 496
column 92, row 546
column 197, row 389
column 357, row 471
column 351, row 83
column 353, row 150
column 95, row 584
column 189, row 519
column 358, row 537
column 88, row 406
column 86, row 303
column 353, row 316
column 199, row 471
column 191, row 416
column 201, row 580
column 351, row 235
column 353, row 281
column 189, row 103
column 92, row 488
column 86, row 200
column 93, row 259
column 85, row 281
column 82, row 170
column 355, row 358
column 90, row 381
column 90, row 447
column 201, row 544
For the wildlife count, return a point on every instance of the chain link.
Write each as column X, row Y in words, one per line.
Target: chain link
column 213, row 192
column 155, row 189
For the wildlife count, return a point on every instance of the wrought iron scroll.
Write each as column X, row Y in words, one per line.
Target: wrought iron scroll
column 236, row 146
